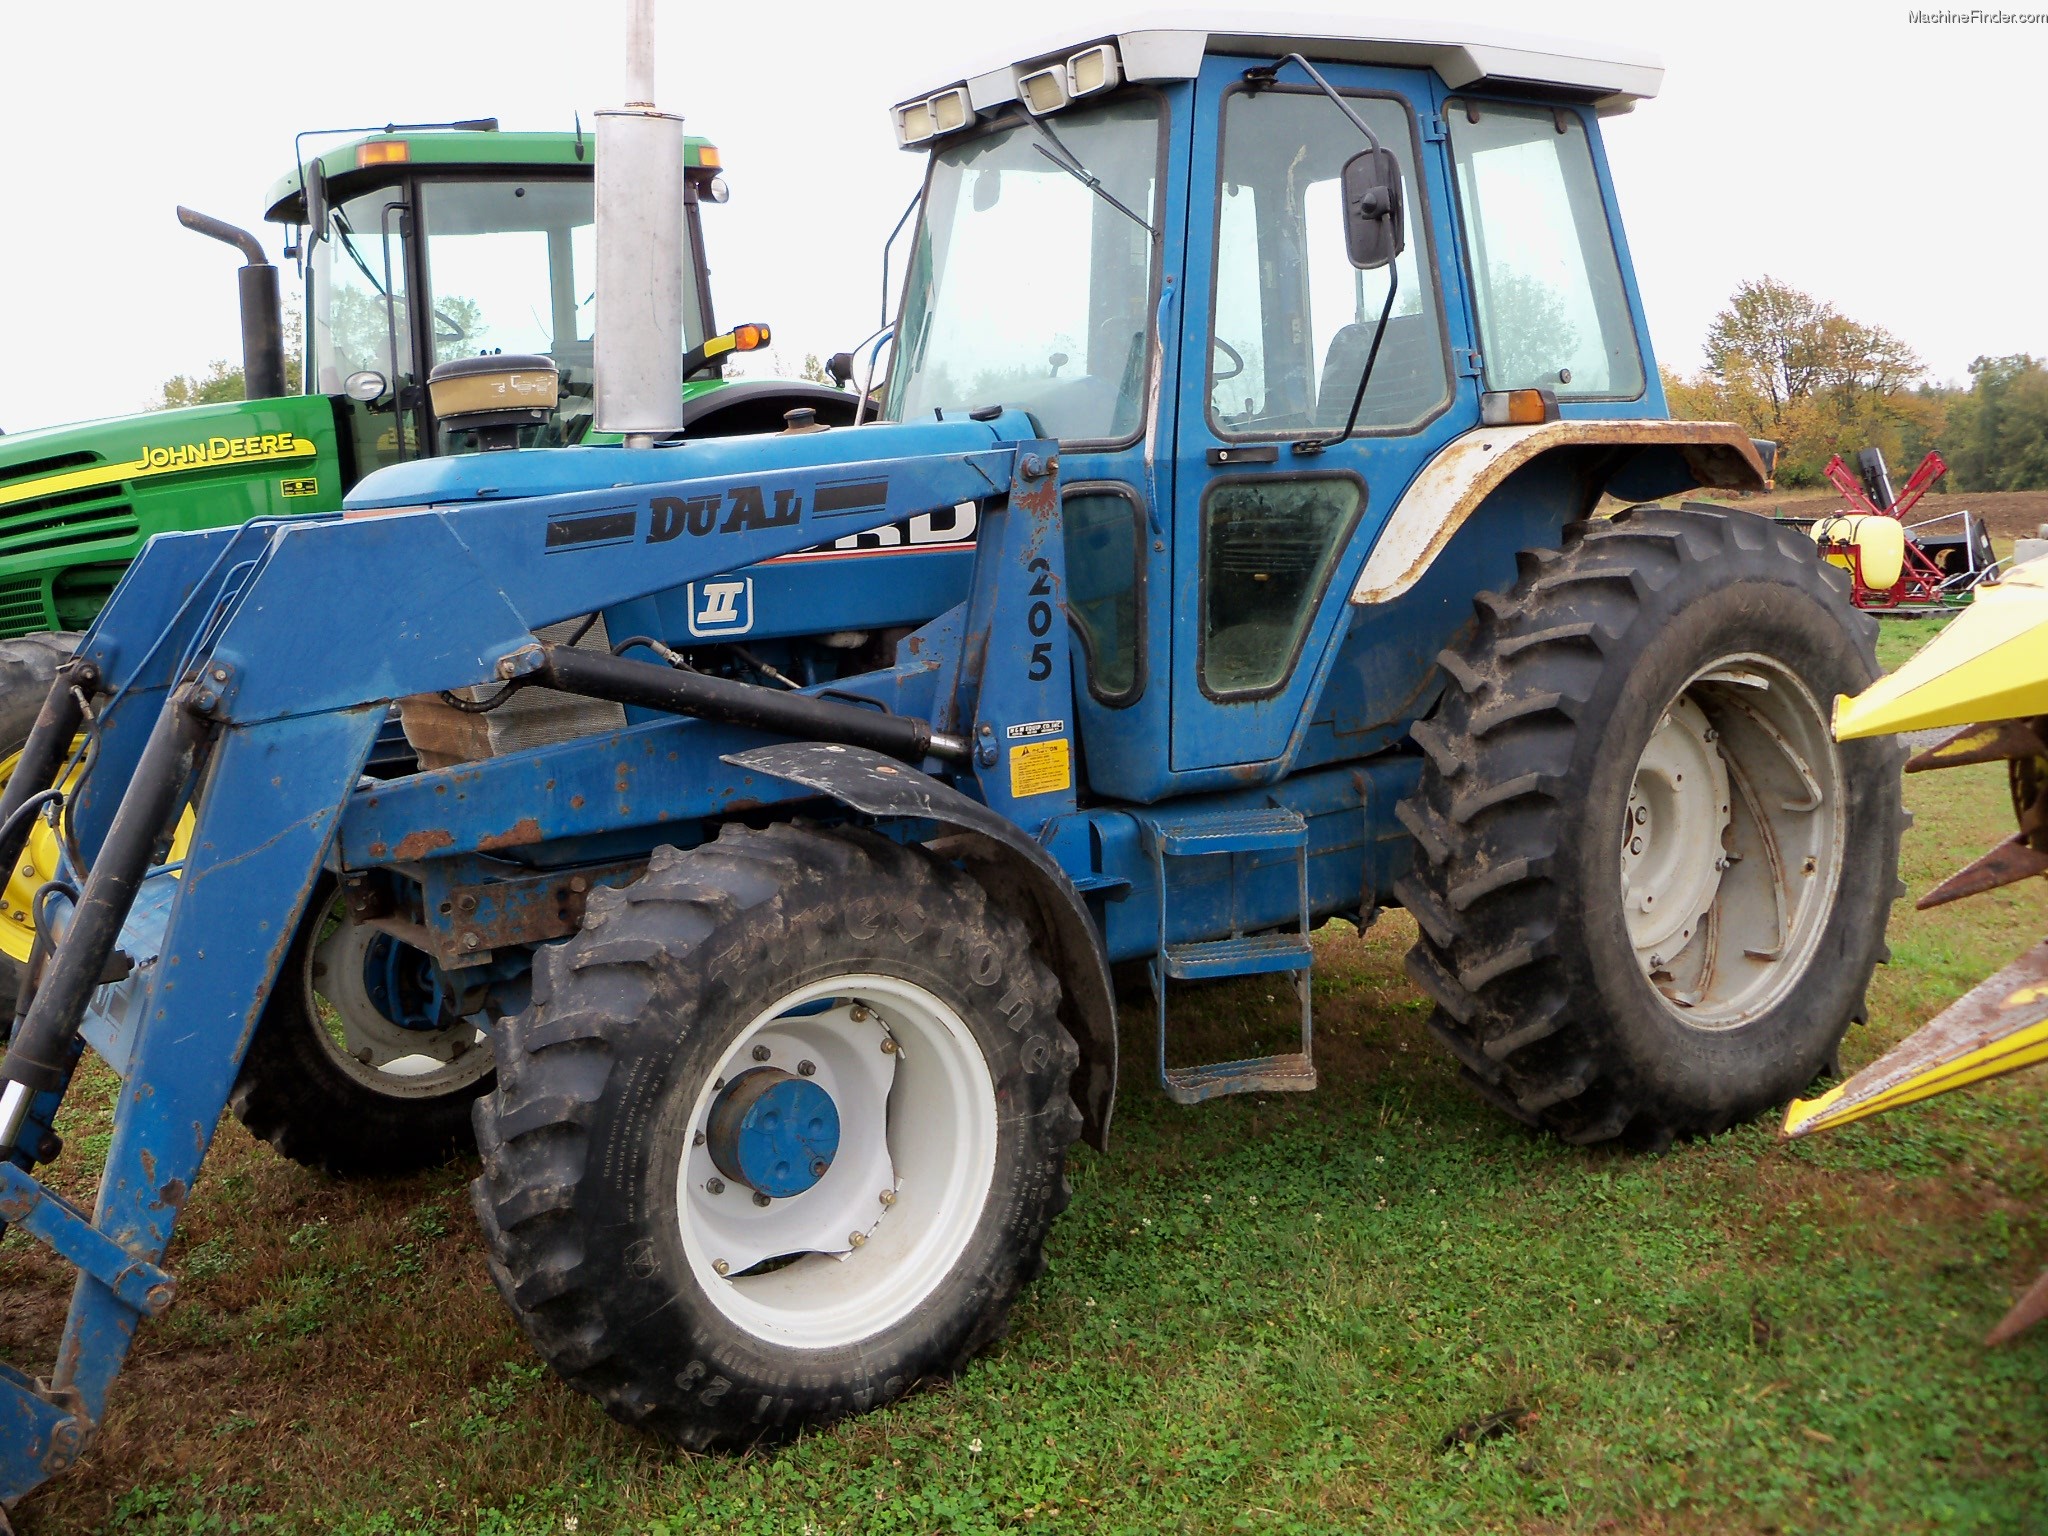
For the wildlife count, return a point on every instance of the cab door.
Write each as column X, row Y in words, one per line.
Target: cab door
column 1274, row 509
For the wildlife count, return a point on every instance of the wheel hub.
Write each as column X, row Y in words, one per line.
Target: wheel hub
column 1731, row 845
column 773, row 1132
column 1671, row 855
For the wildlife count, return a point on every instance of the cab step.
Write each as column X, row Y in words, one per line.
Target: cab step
column 1251, row 954
column 1232, row 833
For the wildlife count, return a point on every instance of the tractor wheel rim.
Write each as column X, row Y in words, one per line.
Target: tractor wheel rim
column 384, row 1056
column 900, row 1196
column 1732, row 842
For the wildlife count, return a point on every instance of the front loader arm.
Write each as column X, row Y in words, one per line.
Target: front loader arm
column 276, row 653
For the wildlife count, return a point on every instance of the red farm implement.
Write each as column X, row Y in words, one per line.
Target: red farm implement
column 1899, row 566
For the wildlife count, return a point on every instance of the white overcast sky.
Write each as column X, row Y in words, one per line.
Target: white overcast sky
column 1894, row 169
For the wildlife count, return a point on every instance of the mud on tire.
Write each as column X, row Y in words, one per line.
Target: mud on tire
column 595, row 1196
column 1647, row 645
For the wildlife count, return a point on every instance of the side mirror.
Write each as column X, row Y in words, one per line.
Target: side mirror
column 366, row 386
column 839, row 368
column 316, row 204
column 1374, row 229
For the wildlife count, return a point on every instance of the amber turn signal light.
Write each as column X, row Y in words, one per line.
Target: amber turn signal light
column 1517, row 407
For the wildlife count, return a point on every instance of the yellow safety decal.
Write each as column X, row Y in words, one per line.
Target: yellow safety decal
column 1040, row 768
column 175, row 458
column 310, row 486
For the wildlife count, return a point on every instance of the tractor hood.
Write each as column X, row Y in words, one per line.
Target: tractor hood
column 559, row 471
column 280, row 436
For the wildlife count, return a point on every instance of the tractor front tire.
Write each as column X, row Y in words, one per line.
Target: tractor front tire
column 331, row 1081
column 28, row 665
column 1650, row 886
column 662, row 1249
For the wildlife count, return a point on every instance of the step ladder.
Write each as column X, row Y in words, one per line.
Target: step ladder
column 1234, row 832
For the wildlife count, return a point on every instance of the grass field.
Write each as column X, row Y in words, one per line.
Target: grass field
column 1381, row 1307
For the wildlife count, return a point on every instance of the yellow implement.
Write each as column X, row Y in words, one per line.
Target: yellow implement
column 1999, row 1026
column 1987, row 672
column 1991, row 663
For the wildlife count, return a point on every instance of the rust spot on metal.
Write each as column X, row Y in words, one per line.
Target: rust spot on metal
column 2026, row 1312
column 2012, row 860
column 416, row 845
column 15, row 1206
column 173, row 1194
column 378, row 850
column 1997, row 742
column 522, row 832
column 575, row 802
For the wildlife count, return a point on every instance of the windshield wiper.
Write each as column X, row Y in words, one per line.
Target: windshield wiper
column 1069, row 162
column 348, row 243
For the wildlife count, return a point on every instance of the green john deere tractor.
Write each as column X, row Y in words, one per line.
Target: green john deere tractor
column 418, row 245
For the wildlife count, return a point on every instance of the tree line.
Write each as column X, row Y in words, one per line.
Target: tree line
column 1793, row 368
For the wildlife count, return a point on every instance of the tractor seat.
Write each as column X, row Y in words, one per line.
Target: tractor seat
column 1407, row 377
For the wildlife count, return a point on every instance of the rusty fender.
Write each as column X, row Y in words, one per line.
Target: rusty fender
column 1470, row 468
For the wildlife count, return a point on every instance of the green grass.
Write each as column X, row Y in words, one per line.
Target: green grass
column 1262, row 1314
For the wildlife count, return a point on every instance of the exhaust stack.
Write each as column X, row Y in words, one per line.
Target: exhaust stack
column 262, row 319
column 639, row 340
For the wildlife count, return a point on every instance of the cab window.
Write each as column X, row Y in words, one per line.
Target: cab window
column 1293, row 319
column 1545, row 278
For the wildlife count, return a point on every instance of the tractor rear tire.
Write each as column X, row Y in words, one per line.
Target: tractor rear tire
column 672, row 1288
column 28, row 665
column 1553, row 814
column 400, row 1104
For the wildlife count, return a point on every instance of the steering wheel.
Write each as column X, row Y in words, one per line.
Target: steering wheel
column 1236, row 357
column 456, row 333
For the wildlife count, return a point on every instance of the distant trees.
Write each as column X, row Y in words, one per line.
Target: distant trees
column 1997, row 438
column 1795, row 369
column 222, row 380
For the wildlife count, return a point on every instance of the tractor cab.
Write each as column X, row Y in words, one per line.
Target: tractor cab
column 1181, row 208
column 427, row 247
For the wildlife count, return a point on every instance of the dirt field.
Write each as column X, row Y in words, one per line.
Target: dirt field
column 2009, row 514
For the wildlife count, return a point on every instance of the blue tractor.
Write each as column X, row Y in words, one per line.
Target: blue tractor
column 1297, row 394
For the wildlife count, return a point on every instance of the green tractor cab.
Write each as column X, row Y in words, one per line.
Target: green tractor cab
column 422, row 246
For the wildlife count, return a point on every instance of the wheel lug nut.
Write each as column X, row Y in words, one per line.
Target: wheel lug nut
column 807, row 1069
column 1635, row 845
column 714, row 1186
column 888, row 1045
column 719, row 1266
column 697, row 1139
column 888, row 1197
column 859, row 1013
column 759, row 1198
column 761, row 1053
column 855, row 1239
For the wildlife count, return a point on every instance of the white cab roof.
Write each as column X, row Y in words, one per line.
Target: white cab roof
column 1171, row 45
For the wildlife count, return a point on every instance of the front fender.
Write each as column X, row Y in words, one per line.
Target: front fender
column 1018, row 874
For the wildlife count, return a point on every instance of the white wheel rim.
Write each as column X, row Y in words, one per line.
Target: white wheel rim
column 382, row 1055
column 890, row 1217
column 1732, row 842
